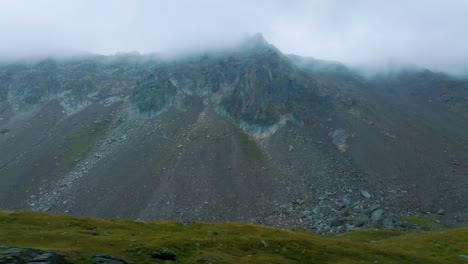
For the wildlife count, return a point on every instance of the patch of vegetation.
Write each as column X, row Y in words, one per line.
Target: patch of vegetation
column 253, row 153
column 80, row 238
column 199, row 134
column 371, row 235
column 421, row 222
column 82, row 144
column 250, row 148
column 204, row 134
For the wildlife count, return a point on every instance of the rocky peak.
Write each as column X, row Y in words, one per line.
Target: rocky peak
column 258, row 43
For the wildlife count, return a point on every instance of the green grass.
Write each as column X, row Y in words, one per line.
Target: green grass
column 250, row 148
column 80, row 238
column 82, row 143
column 421, row 222
column 253, row 153
column 204, row 135
column 370, row 235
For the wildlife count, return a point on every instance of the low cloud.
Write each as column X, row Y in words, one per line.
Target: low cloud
column 425, row 33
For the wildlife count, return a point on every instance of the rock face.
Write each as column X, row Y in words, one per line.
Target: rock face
column 239, row 135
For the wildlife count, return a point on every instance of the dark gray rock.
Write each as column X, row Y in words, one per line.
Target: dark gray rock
column 346, row 201
column 300, row 201
column 335, row 221
column 13, row 255
column 287, row 207
column 360, row 220
column 306, row 212
column 388, row 223
column 374, row 207
column 164, row 254
column 106, row 259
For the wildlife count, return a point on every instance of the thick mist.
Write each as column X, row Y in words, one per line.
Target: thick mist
column 370, row 34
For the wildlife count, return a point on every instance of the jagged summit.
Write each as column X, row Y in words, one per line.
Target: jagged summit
column 257, row 40
column 257, row 43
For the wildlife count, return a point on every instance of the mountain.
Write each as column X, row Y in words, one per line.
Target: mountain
column 247, row 134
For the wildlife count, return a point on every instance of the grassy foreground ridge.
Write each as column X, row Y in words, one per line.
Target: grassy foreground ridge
column 80, row 238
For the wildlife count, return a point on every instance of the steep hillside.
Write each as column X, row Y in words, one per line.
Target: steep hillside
column 247, row 134
column 66, row 239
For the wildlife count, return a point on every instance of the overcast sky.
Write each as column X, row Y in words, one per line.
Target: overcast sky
column 427, row 33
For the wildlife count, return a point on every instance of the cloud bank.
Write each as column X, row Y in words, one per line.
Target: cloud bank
column 375, row 33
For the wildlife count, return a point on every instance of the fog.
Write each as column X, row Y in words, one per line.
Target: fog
column 367, row 33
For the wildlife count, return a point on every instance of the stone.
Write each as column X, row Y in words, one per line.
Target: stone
column 366, row 194
column 388, row 223
column 106, row 259
column 316, row 210
column 360, row 221
column 287, row 207
column 306, row 212
column 28, row 255
column 440, row 212
column 339, row 137
column 164, row 254
column 377, row 215
column 300, row 201
column 374, row 207
column 291, row 148
column 335, row 221
column 346, row 201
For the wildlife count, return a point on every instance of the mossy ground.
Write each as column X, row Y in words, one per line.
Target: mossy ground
column 82, row 143
column 421, row 222
column 80, row 238
column 254, row 153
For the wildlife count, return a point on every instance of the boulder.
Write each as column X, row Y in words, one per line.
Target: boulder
column 440, row 212
column 13, row 255
column 106, row 259
column 366, row 194
column 164, row 254
column 377, row 215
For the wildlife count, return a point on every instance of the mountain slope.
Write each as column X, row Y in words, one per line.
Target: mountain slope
column 247, row 134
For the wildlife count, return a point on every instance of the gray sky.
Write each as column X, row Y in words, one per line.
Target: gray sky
column 378, row 33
